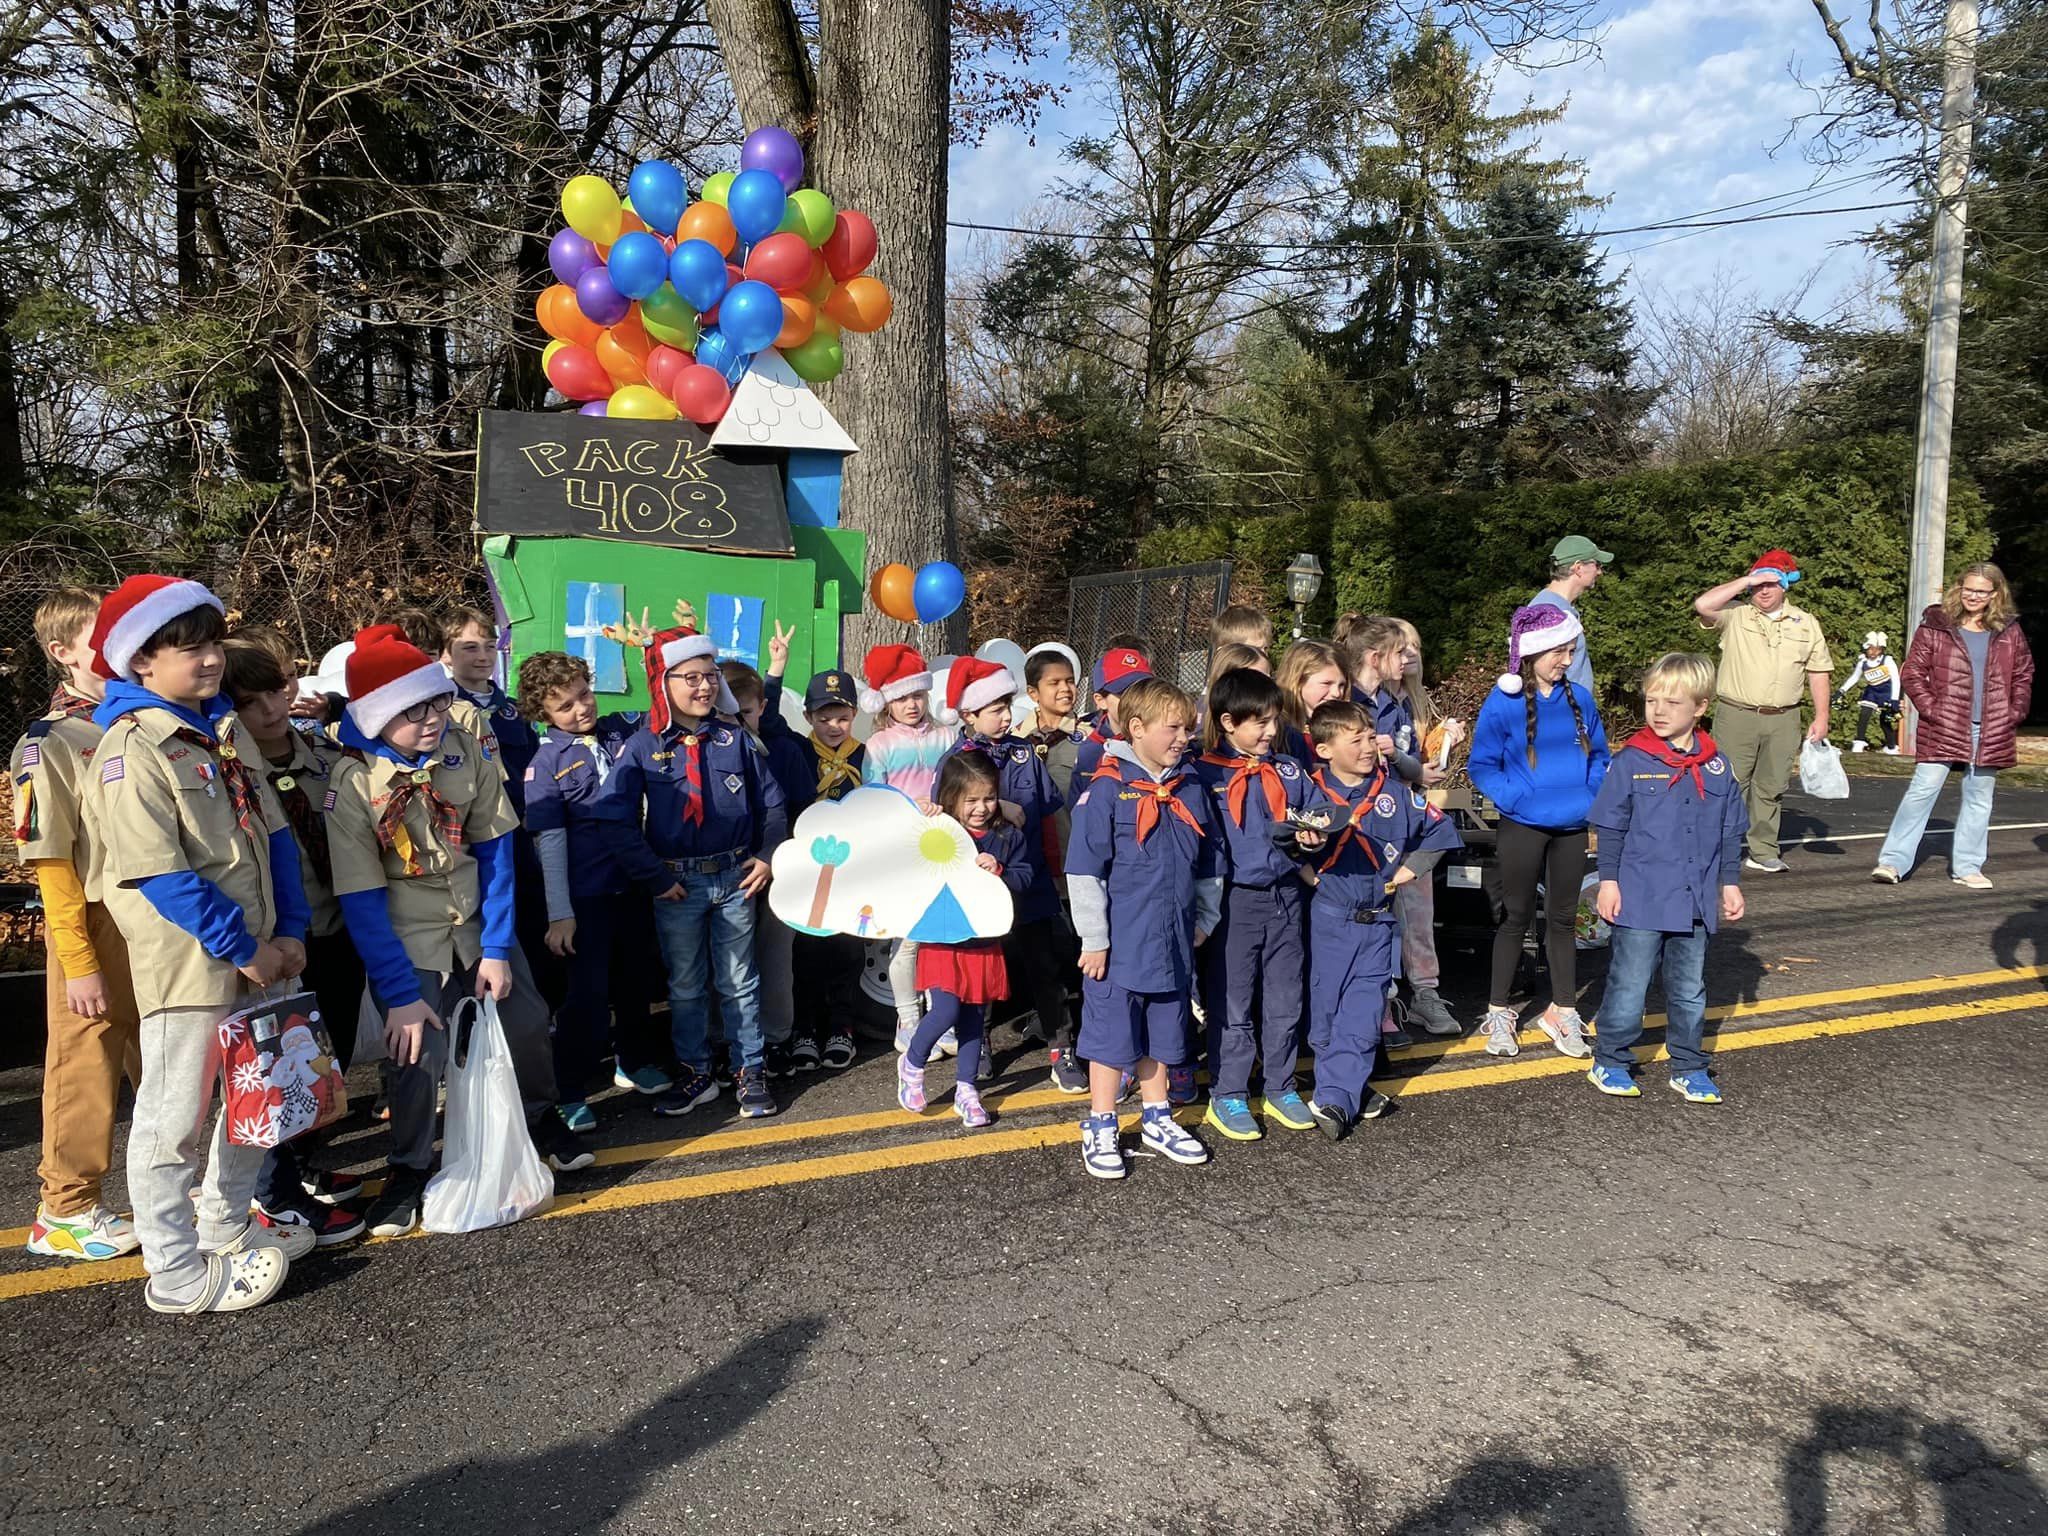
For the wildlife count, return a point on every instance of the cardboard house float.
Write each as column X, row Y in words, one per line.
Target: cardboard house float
column 589, row 520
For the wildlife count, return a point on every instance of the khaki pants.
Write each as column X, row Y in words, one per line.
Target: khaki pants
column 82, row 1074
column 1761, row 750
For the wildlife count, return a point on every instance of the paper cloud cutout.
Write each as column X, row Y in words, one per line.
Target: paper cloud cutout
column 871, row 866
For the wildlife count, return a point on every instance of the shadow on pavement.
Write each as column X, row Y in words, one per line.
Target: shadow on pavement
column 1979, row 1492
column 2022, row 939
column 1587, row 1499
column 576, row 1487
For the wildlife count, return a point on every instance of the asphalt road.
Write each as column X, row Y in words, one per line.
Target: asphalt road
column 1513, row 1306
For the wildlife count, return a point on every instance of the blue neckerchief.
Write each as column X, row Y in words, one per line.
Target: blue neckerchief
column 352, row 736
column 126, row 698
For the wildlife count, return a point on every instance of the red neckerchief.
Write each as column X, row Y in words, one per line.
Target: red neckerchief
column 692, row 745
column 67, row 703
column 1245, row 770
column 1359, row 812
column 308, row 825
column 418, row 784
column 1682, row 763
column 1152, row 795
column 234, row 773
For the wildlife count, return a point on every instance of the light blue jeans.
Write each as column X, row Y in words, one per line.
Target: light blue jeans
column 707, row 938
column 1973, row 820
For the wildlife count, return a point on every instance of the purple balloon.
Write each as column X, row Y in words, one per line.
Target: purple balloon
column 601, row 303
column 776, row 151
column 594, row 408
column 570, row 256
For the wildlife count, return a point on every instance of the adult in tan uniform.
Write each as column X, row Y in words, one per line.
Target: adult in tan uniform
column 1770, row 652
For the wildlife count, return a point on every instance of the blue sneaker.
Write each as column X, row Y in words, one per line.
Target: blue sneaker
column 1101, row 1153
column 1068, row 1073
column 1180, row 1086
column 647, row 1080
column 577, row 1116
column 1290, row 1110
column 1163, row 1134
column 1696, row 1087
column 1616, row 1082
column 1232, row 1117
column 695, row 1088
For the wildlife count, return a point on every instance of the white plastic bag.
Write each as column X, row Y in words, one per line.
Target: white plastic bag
column 1820, row 771
column 490, row 1174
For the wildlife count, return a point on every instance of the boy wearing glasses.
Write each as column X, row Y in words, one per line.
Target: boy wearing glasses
column 419, row 837
column 691, row 812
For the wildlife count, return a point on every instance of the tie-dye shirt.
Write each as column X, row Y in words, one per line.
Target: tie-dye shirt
column 908, row 759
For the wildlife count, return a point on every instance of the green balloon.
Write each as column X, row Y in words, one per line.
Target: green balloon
column 715, row 188
column 816, row 213
column 669, row 319
column 817, row 360
column 792, row 221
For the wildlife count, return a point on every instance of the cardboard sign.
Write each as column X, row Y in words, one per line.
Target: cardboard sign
column 542, row 473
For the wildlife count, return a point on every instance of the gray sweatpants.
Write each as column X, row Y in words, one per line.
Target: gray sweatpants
column 415, row 1090
column 181, row 1065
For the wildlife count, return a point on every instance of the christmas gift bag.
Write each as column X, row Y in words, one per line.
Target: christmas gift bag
column 281, row 1076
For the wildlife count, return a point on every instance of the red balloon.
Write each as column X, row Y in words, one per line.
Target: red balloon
column 700, row 394
column 577, row 373
column 663, row 364
column 850, row 246
column 782, row 261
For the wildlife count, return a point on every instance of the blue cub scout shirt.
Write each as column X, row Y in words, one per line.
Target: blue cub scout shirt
column 562, row 784
column 1151, row 887
column 743, row 809
column 1024, row 782
column 1401, row 821
column 1671, row 844
column 1250, row 856
column 1007, row 846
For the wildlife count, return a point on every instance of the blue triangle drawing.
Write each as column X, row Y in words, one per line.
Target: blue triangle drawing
column 944, row 922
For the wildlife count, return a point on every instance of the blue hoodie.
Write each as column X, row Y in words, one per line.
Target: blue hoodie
column 1557, row 792
column 192, row 902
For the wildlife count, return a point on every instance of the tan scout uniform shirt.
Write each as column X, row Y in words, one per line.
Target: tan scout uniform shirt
column 1764, row 660
column 466, row 714
column 311, row 772
column 435, row 912
column 51, row 771
column 159, row 806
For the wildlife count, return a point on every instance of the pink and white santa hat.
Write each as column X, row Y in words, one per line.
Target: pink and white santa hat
column 137, row 609
column 1533, row 630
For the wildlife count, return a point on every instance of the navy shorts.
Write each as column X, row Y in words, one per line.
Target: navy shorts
column 1121, row 1028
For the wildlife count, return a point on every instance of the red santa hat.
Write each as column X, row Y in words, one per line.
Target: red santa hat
column 137, row 609
column 387, row 675
column 669, row 650
column 893, row 672
column 974, row 682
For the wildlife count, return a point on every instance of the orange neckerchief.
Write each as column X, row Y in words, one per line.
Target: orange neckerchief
column 1359, row 812
column 1246, row 770
column 1152, row 796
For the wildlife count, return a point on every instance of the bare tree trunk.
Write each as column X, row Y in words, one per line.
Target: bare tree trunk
column 768, row 64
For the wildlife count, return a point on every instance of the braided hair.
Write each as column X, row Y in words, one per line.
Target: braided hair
column 1529, row 709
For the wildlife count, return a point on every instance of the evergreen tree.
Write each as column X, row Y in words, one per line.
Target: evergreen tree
column 1528, row 375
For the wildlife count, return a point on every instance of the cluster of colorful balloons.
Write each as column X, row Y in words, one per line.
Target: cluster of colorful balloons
column 660, row 303
column 924, row 596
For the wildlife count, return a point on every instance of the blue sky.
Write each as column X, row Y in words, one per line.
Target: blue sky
column 1682, row 109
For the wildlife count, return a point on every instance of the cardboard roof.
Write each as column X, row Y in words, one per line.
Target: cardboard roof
column 773, row 408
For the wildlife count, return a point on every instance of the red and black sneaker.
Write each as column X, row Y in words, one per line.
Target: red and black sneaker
column 331, row 1225
column 331, row 1188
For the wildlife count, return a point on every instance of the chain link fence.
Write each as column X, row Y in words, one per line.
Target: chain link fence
column 1169, row 608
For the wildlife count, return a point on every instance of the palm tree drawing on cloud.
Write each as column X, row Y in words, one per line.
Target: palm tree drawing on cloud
column 828, row 853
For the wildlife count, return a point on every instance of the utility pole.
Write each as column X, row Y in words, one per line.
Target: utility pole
column 1944, row 317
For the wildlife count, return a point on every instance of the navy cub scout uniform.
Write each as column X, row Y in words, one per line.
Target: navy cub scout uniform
column 561, row 787
column 710, row 802
column 501, row 732
column 1376, row 825
column 1670, row 833
column 1023, row 780
column 1143, row 875
column 1255, row 955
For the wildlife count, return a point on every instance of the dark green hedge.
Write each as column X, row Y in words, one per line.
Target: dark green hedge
column 1457, row 565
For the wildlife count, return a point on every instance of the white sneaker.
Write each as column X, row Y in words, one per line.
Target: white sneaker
column 1500, row 1025
column 1101, row 1153
column 1884, row 874
column 1566, row 1029
column 1975, row 881
column 1166, row 1136
column 92, row 1235
column 1858, row 746
column 1891, row 751
column 292, row 1240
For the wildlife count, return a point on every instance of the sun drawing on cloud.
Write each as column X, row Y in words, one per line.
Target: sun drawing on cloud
column 872, row 866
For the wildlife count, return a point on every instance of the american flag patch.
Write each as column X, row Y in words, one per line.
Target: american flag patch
column 31, row 754
column 327, row 804
column 112, row 769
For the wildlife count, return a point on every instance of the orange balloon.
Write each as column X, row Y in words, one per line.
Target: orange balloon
column 708, row 221
column 799, row 319
column 629, row 221
column 632, row 335
column 861, row 304
column 892, row 589
column 820, row 287
column 563, row 319
column 621, row 364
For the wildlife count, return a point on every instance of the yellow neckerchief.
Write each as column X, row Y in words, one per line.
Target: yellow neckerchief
column 834, row 767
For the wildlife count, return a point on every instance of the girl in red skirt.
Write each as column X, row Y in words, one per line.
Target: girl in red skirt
column 962, row 979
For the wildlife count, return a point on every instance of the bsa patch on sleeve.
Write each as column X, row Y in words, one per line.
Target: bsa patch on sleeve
column 1384, row 806
column 31, row 754
column 1287, row 768
column 113, row 769
column 327, row 801
column 1020, row 755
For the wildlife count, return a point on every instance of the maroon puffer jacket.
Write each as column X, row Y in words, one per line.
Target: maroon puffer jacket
column 1937, row 678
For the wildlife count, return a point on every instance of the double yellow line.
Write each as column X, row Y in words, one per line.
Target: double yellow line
column 959, row 1148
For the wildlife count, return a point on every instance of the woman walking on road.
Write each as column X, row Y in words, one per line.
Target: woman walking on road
column 1971, row 677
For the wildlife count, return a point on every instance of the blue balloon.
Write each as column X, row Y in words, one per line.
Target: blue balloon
column 639, row 264
column 751, row 315
column 718, row 352
column 698, row 273
column 938, row 589
column 756, row 202
column 658, row 195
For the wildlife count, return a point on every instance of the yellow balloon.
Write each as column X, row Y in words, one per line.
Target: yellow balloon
column 592, row 208
column 641, row 402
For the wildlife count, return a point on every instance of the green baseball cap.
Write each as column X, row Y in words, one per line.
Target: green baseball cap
column 1576, row 547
